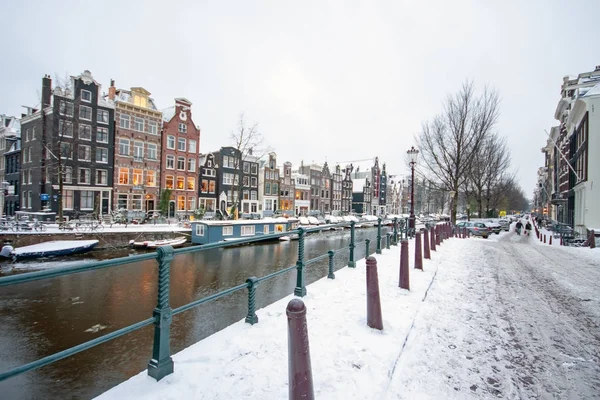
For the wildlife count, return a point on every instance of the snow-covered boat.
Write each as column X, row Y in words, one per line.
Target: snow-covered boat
column 153, row 244
column 54, row 248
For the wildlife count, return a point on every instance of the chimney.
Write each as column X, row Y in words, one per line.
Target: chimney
column 112, row 90
column 46, row 91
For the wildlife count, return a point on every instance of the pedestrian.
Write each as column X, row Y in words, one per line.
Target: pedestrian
column 527, row 228
column 518, row 227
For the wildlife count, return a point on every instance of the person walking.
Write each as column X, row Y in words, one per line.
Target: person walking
column 518, row 227
column 528, row 228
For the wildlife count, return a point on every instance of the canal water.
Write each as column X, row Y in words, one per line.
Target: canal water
column 43, row 317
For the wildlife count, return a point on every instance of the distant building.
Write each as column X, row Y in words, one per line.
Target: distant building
column 287, row 189
column 347, row 189
column 209, row 184
column 314, row 173
column 10, row 152
column 268, row 185
column 361, row 196
column 325, row 199
column 138, row 149
column 303, row 197
column 180, row 149
column 336, row 191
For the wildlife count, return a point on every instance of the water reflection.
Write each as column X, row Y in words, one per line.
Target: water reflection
column 43, row 317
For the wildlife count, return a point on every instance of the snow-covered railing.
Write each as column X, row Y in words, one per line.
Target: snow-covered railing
column 161, row 364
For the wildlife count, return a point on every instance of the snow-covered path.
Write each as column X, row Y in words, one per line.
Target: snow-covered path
column 530, row 326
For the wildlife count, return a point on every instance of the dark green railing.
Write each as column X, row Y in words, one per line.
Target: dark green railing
column 161, row 363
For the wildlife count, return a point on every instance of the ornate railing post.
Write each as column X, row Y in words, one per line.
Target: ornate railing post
column 367, row 242
column 300, row 289
column 330, row 274
column 389, row 239
column 378, row 250
column 351, row 262
column 395, row 231
column 252, row 318
column 161, row 363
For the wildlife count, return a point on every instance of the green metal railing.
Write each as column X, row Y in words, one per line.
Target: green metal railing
column 161, row 363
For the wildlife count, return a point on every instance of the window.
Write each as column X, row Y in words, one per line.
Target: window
column 136, row 201
column 228, row 162
column 245, row 181
column 180, row 203
column 124, row 121
column 85, row 113
column 191, row 203
column 140, row 101
column 192, row 146
column 275, row 188
column 138, row 177
column 246, row 195
column 86, row 200
column 209, row 172
column 138, row 150
column 152, row 127
column 171, row 142
column 66, row 108
column 181, row 144
column 151, row 151
column 101, row 155
column 253, row 182
column 124, row 147
column 67, row 199
column 169, row 182
column 211, row 186
column 84, row 153
column 227, row 230
column 254, row 169
column 65, row 128
column 30, row 176
column 68, row 177
column 192, row 164
column 191, row 183
column 84, row 176
column 180, row 182
column 181, row 163
column 24, row 177
column 253, row 195
column 85, row 132
column 150, row 178
column 199, row 230
column 33, row 133
column 204, row 186
column 101, row 177
column 124, row 176
column 122, row 202
column 101, row 135
column 267, row 188
column 138, row 124
column 102, row 116
column 230, row 179
column 266, row 229
column 86, row 96
column 248, row 230
column 246, row 167
column 170, row 161
column 182, row 127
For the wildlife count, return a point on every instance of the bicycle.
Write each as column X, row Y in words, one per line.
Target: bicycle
column 39, row 226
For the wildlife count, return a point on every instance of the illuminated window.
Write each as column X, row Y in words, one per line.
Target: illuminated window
column 211, row 187
column 204, row 187
column 180, row 182
column 137, row 177
column 124, row 176
column 150, row 178
column 181, row 203
column 191, row 203
column 140, row 101
column 169, row 182
column 191, row 183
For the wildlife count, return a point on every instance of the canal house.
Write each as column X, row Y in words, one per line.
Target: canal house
column 205, row 232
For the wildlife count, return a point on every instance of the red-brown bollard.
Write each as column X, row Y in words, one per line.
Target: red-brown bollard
column 432, row 238
column 373, row 301
column 592, row 239
column 561, row 241
column 299, row 370
column 540, row 237
column 544, row 238
column 438, row 238
column 404, row 279
column 442, row 233
column 550, row 240
column 418, row 252
column 426, row 252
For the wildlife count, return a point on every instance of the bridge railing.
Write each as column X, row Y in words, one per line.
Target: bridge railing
column 161, row 363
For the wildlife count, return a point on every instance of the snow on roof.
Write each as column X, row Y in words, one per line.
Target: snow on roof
column 125, row 96
column 168, row 113
column 358, row 185
column 594, row 91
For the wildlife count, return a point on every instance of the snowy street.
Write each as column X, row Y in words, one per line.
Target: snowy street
column 504, row 317
column 530, row 325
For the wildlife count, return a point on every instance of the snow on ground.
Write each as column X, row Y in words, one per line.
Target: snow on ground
column 486, row 318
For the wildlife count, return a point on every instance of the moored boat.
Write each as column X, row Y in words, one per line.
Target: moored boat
column 54, row 248
column 238, row 231
column 153, row 244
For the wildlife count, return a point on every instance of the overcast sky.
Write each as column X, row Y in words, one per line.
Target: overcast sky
column 326, row 80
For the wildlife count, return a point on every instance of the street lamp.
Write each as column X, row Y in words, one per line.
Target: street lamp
column 412, row 154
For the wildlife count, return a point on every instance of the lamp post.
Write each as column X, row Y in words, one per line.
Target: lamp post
column 412, row 154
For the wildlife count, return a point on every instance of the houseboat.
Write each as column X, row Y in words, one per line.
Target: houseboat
column 206, row 232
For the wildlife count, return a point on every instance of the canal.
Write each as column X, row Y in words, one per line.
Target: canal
column 43, row 317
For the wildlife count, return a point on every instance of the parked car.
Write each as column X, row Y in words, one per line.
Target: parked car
column 478, row 229
column 505, row 224
column 494, row 226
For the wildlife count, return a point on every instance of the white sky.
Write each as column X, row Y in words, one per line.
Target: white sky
column 331, row 81
column 446, row 338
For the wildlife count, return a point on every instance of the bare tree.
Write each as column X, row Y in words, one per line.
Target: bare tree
column 248, row 140
column 449, row 143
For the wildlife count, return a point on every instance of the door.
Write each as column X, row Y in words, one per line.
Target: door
column 104, row 206
column 149, row 205
column 171, row 209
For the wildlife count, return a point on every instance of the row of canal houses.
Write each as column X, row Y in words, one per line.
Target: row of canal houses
column 118, row 151
column 565, row 190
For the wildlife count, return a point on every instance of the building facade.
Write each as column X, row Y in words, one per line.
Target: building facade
column 336, row 191
column 314, row 173
column 180, row 149
column 137, row 169
column 268, row 185
column 287, row 189
column 302, row 195
column 10, row 152
column 347, row 189
column 325, row 199
column 74, row 134
column 209, row 184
